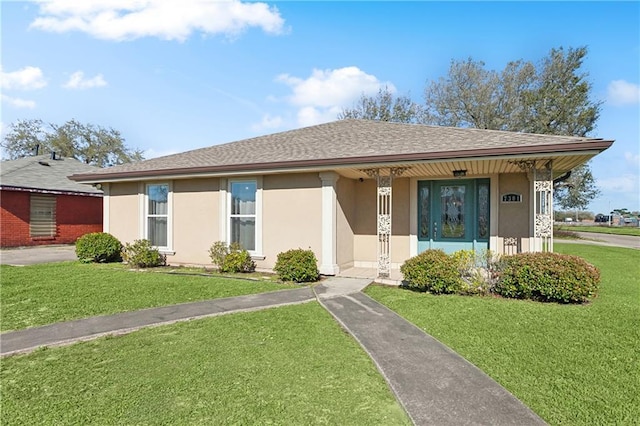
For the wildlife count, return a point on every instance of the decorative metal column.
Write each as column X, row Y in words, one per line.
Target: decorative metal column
column 543, row 207
column 384, row 203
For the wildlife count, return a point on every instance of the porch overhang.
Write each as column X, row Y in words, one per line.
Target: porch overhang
column 479, row 166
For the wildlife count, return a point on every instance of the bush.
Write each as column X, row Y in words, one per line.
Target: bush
column 479, row 270
column 98, row 247
column 297, row 265
column 142, row 254
column 432, row 271
column 231, row 258
column 548, row 277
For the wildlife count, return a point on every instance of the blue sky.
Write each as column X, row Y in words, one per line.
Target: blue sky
column 179, row 75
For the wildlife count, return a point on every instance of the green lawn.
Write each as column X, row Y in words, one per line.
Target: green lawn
column 291, row 365
column 601, row 229
column 43, row 294
column 575, row 365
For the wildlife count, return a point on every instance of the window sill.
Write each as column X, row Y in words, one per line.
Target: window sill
column 167, row 252
column 47, row 238
column 258, row 257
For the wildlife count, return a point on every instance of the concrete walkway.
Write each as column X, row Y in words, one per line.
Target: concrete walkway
column 434, row 384
column 63, row 333
column 22, row 256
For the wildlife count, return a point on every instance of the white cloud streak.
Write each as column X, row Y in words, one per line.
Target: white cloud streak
column 153, row 153
column 628, row 183
column 121, row 20
column 621, row 92
column 78, row 81
column 323, row 95
column 27, row 78
column 269, row 122
column 632, row 159
column 18, row 102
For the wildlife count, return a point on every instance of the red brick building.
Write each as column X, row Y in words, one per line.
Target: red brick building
column 39, row 205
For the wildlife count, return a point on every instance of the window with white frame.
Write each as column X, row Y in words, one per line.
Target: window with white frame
column 242, row 214
column 157, row 210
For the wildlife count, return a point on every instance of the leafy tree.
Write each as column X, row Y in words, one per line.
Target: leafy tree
column 578, row 190
column 88, row 143
column 472, row 96
column 551, row 98
column 385, row 106
column 622, row 212
column 559, row 104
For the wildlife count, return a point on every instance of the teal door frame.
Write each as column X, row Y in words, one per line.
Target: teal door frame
column 453, row 214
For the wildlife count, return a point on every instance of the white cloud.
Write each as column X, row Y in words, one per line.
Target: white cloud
column 152, row 153
column 624, row 183
column 268, row 122
column 166, row 19
column 621, row 92
column 27, row 78
column 323, row 95
column 78, row 81
column 633, row 159
column 18, row 103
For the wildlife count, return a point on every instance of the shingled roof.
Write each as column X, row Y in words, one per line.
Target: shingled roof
column 347, row 142
column 42, row 173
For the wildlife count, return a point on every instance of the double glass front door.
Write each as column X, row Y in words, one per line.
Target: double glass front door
column 453, row 215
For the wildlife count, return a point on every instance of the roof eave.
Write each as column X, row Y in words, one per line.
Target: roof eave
column 49, row 191
column 595, row 146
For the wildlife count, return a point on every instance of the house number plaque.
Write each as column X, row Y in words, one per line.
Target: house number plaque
column 511, row 197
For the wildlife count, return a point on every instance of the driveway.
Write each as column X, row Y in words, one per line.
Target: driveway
column 31, row 255
column 628, row 241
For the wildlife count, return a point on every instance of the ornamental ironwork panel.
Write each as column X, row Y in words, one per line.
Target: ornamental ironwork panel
column 544, row 226
column 543, row 207
column 384, row 224
column 384, row 183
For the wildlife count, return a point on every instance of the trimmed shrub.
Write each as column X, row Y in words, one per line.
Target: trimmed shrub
column 231, row 258
column 98, row 247
column 297, row 265
column 432, row 271
column 238, row 261
column 142, row 254
column 217, row 252
column 548, row 277
column 479, row 270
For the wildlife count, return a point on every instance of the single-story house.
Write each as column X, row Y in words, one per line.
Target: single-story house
column 40, row 205
column 359, row 193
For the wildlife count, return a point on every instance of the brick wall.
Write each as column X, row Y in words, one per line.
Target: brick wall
column 14, row 218
column 76, row 215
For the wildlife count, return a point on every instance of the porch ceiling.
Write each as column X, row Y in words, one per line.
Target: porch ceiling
column 478, row 167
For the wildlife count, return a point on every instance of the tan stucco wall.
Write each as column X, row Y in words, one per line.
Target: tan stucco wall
column 365, row 221
column 292, row 215
column 365, row 249
column 364, row 196
column 345, row 217
column 124, row 214
column 195, row 220
column 514, row 218
column 400, row 209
